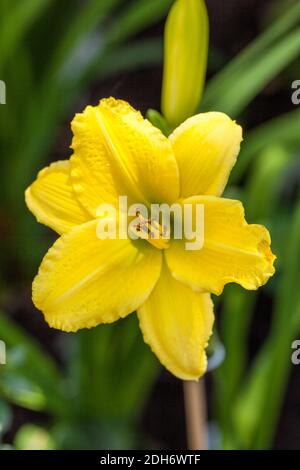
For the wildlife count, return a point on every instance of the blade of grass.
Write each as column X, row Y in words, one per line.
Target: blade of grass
column 251, row 80
column 51, row 104
column 18, row 20
column 19, row 77
column 268, row 377
column 283, row 130
column 134, row 19
column 86, row 21
column 236, row 313
column 136, row 55
column 264, row 183
column 136, row 16
column 30, row 363
column 114, row 372
column 262, row 191
column 247, row 58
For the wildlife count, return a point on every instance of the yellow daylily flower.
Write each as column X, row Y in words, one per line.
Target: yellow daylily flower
column 84, row 281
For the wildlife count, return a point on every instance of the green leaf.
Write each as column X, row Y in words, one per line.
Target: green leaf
column 16, row 23
column 21, row 391
column 283, row 130
column 113, row 371
column 237, row 308
column 5, row 417
column 247, row 59
column 29, row 377
column 94, row 435
column 86, row 20
column 135, row 17
column 141, row 54
column 265, row 386
column 51, row 102
column 248, row 410
column 250, row 80
column 158, row 121
column 264, row 183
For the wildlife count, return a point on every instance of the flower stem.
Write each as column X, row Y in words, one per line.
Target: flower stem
column 195, row 414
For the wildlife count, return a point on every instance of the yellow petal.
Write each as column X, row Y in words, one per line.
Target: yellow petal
column 206, row 147
column 233, row 251
column 84, row 281
column 117, row 152
column 52, row 200
column 177, row 322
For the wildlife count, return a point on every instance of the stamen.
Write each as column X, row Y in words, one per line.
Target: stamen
column 152, row 231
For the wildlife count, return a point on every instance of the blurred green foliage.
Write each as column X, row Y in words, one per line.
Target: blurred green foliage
column 95, row 397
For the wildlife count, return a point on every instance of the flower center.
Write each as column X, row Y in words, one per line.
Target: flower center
column 152, row 231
